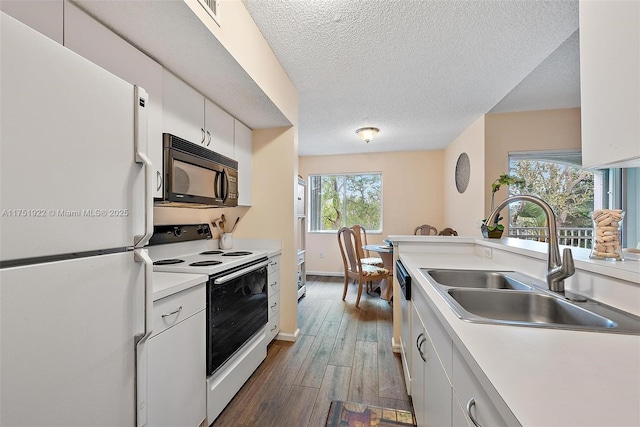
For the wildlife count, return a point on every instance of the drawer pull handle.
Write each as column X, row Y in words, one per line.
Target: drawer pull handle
column 471, row 403
column 274, row 328
column 274, row 283
column 173, row 312
column 274, row 305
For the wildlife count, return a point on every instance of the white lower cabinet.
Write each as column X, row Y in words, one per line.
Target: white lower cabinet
column 442, row 382
column 273, row 324
column 468, row 389
column 177, row 364
column 431, row 389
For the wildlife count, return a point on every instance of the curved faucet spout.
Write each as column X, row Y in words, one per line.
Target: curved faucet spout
column 556, row 271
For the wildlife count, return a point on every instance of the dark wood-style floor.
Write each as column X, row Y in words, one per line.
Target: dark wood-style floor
column 342, row 353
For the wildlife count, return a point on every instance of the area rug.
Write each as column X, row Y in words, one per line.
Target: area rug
column 349, row 414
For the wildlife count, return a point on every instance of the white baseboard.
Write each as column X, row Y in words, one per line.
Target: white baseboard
column 283, row 336
column 395, row 346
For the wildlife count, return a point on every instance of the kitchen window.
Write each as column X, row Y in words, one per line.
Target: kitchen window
column 573, row 193
column 343, row 200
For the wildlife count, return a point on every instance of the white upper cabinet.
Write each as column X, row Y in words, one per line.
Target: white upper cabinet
column 44, row 16
column 610, row 83
column 219, row 126
column 89, row 38
column 183, row 110
column 243, row 147
column 189, row 115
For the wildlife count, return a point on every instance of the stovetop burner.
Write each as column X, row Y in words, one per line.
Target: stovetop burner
column 237, row 253
column 205, row 263
column 210, row 253
column 168, row 261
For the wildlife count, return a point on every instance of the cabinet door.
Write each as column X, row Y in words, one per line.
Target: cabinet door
column 610, row 82
column 44, row 16
column 468, row 387
column 437, row 389
column 418, row 338
column 89, row 38
column 460, row 417
column 243, row 146
column 183, row 109
column 177, row 367
column 219, row 128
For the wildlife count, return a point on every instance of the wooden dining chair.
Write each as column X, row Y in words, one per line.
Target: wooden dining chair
column 353, row 266
column 425, row 230
column 365, row 258
column 448, row 232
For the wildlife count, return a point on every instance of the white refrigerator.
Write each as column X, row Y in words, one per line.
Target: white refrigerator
column 76, row 212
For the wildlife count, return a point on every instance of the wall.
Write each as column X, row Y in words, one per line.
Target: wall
column 464, row 210
column 412, row 195
column 525, row 131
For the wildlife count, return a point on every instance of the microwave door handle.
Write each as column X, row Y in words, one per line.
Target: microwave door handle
column 225, row 185
column 216, row 186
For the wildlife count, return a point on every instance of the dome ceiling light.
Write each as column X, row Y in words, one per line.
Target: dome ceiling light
column 367, row 133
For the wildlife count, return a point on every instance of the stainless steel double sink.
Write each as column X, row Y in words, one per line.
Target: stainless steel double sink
column 512, row 298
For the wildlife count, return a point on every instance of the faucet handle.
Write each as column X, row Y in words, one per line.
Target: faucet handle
column 568, row 266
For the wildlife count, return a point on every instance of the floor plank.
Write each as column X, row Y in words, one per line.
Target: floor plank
column 343, row 353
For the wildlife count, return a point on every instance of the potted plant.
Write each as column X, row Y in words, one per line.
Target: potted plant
column 495, row 230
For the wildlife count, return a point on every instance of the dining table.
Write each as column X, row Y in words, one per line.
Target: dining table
column 386, row 253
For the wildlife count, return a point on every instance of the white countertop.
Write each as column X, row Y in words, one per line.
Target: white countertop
column 547, row 377
column 165, row 284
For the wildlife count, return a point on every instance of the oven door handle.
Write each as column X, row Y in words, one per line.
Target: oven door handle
column 225, row 279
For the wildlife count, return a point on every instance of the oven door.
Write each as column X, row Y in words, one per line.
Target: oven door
column 237, row 309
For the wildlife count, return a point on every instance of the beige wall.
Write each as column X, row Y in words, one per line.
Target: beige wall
column 412, row 195
column 463, row 211
column 525, row 131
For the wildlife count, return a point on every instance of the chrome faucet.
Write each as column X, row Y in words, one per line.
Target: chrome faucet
column 557, row 269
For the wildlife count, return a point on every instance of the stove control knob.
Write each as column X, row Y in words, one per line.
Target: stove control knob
column 177, row 231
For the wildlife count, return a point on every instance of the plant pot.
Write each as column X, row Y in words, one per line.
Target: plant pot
column 490, row 234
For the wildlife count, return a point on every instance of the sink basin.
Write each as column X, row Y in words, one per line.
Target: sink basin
column 529, row 308
column 476, row 279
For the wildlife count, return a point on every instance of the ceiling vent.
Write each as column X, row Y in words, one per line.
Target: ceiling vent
column 213, row 9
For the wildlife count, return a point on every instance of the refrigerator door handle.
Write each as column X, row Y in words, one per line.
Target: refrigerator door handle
column 140, row 255
column 140, row 141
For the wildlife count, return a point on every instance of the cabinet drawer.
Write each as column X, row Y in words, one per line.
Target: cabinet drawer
column 175, row 308
column 274, row 283
column 274, row 305
column 273, row 327
column 274, row 264
column 466, row 387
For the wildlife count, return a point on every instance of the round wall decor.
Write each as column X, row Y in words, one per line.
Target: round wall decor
column 463, row 172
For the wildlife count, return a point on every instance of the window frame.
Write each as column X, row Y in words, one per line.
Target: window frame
column 615, row 184
column 344, row 174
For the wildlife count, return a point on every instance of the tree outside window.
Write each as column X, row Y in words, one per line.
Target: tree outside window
column 344, row 200
column 572, row 192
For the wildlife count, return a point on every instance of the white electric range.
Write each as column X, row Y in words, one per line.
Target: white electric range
column 236, row 304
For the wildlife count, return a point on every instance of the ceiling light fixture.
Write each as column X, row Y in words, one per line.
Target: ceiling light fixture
column 368, row 133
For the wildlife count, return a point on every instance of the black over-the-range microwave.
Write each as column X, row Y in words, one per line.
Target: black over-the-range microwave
column 197, row 177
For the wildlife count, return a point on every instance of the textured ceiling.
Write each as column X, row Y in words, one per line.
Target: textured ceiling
column 421, row 71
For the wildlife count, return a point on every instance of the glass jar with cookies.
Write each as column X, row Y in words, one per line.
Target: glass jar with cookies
column 607, row 224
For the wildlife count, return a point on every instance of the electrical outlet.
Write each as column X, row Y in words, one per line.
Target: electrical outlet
column 321, row 254
column 487, row 253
